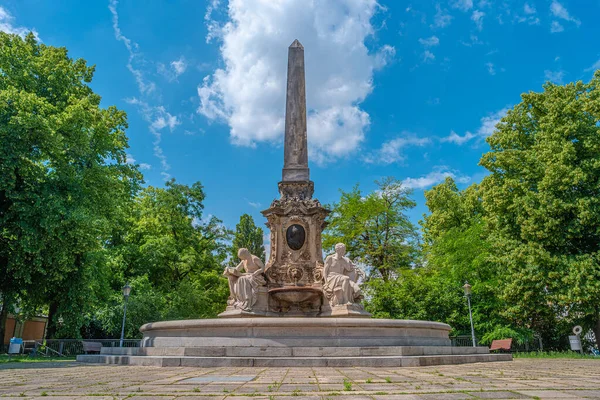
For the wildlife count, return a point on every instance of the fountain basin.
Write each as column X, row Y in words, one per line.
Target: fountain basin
column 296, row 294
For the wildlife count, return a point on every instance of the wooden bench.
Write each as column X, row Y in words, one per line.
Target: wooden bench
column 92, row 347
column 504, row 344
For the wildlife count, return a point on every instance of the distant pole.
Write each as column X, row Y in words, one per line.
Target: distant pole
column 126, row 291
column 467, row 289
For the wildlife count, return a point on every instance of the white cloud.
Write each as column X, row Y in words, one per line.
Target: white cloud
column 477, row 17
column 487, row 127
column 457, row 139
column 529, row 9
column 438, row 175
column 554, row 76
column 156, row 116
column 384, row 56
column 391, row 151
column 593, row 67
column 162, row 119
column 428, row 56
column 144, row 85
column 529, row 16
column 253, row 204
column 430, row 42
column 556, row 27
column 7, row 25
column 462, row 5
column 473, row 41
column 441, row 19
column 491, row 68
column 176, row 68
column 559, row 11
column 248, row 93
column 130, row 160
column 179, row 66
column 488, row 124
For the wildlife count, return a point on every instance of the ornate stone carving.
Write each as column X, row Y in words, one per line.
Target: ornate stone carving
column 297, row 190
column 340, row 276
column 245, row 281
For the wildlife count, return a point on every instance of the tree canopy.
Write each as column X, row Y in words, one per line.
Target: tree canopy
column 542, row 204
column 375, row 228
column 63, row 176
column 247, row 235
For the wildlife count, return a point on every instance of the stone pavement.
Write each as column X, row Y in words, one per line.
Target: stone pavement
column 519, row 379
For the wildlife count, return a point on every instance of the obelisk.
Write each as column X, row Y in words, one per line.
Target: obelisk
column 295, row 156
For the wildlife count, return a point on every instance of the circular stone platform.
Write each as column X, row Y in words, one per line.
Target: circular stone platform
column 294, row 342
column 294, row 332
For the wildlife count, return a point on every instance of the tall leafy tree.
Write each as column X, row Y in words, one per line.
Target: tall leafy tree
column 455, row 249
column 542, row 202
column 375, row 228
column 167, row 250
column 247, row 235
column 63, row 177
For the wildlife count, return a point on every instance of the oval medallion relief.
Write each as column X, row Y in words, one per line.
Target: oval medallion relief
column 295, row 236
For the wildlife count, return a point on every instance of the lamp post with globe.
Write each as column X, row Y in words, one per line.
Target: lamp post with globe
column 126, row 292
column 467, row 289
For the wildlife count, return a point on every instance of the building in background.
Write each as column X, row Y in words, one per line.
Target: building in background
column 32, row 329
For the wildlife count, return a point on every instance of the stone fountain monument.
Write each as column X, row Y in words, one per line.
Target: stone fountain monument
column 296, row 283
column 298, row 310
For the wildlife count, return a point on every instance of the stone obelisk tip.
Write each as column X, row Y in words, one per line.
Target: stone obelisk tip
column 296, row 43
column 295, row 158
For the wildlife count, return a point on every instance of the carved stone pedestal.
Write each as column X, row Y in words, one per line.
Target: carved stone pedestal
column 260, row 309
column 295, row 268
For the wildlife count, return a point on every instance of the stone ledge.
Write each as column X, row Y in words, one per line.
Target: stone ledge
column 362, row 361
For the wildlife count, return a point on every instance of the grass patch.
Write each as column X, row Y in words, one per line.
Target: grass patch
column 555, row 354
column 347, row 385
column 4, row 358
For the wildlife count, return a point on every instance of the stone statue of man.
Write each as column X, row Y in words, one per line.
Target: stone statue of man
column 340, row 276
column 244, row 280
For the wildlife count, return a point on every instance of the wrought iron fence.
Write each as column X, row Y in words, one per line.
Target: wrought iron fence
column 67, row 347
column 533, row 345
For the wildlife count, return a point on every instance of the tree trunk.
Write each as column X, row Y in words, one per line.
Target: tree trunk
column 3, row 318
column 51, row 328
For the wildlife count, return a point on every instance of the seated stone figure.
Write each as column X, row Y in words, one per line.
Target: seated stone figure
column 243, row 286
column 340, row 276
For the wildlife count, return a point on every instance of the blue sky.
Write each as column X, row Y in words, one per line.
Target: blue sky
column 404, row 89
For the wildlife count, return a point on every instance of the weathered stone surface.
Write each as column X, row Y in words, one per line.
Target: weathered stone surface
column 280, row 360
column 295, row 165
column 522, row 378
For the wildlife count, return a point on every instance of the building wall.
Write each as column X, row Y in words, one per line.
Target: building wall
column 33, row 329
column 10, row 330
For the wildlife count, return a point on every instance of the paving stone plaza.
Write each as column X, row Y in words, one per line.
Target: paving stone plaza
column 519, row 379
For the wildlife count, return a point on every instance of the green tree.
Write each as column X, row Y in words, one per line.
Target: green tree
column 249, row 236
column 168, row 249
column 63, row 178
column 542, row 203
column 374, row 228
column 456, row 249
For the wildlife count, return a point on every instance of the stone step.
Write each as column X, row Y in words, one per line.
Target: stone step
column 323, row 361
column 229, row 351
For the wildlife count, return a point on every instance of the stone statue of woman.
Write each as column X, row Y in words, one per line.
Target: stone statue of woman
column 340, row 276
column 244, row 280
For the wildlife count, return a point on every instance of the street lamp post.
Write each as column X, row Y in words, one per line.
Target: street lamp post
column 126, row 291
column 467, row 289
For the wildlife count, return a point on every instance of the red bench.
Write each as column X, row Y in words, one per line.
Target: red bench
column 504, row 344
